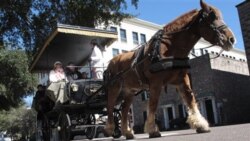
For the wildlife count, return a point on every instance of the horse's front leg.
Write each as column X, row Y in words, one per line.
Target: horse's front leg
column 195, row 119
column 150, row 127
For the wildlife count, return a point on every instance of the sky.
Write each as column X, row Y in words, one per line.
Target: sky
column 163, row 11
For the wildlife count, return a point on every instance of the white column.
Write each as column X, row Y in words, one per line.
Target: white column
column 166, row 120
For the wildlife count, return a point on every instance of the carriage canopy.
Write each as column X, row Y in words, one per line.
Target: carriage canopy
column 69, row 43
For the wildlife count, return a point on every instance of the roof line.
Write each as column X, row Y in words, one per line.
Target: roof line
column 242, row 3
column 141, row 21
column 40, row 51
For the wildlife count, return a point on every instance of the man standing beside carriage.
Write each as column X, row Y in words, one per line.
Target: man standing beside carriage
column 96, row 60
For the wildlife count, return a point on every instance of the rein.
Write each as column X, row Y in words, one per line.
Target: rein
column 218, row 55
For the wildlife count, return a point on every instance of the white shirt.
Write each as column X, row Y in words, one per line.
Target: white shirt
column 96, row 57
column 56, row 76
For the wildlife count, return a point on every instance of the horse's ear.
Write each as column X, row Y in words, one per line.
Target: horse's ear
column 204, row 6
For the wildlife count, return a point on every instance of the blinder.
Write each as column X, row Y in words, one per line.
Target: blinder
column 211, row 15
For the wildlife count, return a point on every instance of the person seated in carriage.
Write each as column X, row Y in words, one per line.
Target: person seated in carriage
column 72, row 72
column 84, row 75
column 96, row 60
column 56, row 89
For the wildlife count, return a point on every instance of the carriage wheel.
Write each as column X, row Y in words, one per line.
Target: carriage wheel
column 117, row 120
column 64, row 127
column 90, row 131
column 46, row 130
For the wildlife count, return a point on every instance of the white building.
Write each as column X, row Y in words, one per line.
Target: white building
column 132, row 32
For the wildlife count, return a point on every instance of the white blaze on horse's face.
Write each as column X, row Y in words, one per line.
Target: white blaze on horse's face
column 214, row 29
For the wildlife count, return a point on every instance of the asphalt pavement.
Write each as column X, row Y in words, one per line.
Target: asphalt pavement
column 240, row 132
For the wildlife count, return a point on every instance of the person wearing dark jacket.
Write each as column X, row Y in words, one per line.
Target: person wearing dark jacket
column 72, row 72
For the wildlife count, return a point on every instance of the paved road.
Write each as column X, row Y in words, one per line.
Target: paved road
column 239, row 132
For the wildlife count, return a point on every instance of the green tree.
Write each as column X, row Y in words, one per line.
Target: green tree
column 18, row 121
column 16, row 81
column 30, row 21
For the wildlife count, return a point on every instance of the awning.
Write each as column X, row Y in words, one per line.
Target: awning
column 69, row 43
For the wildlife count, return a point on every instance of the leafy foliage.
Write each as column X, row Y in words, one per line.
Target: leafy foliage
column 16, row 81
column 30, row 21
column 19, row 121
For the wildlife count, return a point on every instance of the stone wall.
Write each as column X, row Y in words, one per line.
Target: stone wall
column 230, row 65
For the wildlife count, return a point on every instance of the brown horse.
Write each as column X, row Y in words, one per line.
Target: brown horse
column 170, row 45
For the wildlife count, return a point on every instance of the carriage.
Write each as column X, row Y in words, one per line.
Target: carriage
column 85, row 116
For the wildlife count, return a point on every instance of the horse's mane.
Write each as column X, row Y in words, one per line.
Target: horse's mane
column 180, row 22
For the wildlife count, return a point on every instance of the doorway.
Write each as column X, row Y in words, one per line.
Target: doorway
column 169, row 115
column 209, row 111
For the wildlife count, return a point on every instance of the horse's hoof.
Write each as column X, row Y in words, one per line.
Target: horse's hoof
column 201, row 130
column 129, row 137
column 155, row 135
column 106, row 133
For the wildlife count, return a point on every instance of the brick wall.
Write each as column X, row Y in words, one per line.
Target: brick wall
column 244, row 15
column 233, row 92
column 201, row 76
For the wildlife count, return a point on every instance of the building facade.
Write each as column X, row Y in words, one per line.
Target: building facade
column 244, row 16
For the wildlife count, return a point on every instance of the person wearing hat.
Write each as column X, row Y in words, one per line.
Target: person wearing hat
column 96, row 60
column 57, row 79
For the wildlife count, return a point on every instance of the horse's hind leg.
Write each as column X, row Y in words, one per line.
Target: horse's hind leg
column 150, row 127
column 126, row 130
column 195, row 119
column 112, row 93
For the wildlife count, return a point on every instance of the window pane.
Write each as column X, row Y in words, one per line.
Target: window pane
column 115, row 52
column 113, row 29
column 123, row 35
column 143, row 38
column 135, row 38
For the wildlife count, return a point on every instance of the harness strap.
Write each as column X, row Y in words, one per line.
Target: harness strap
column 170, row 63
column 137, row 66
column 155, row 55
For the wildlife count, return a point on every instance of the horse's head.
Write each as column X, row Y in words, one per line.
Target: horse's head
column 213, row 29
